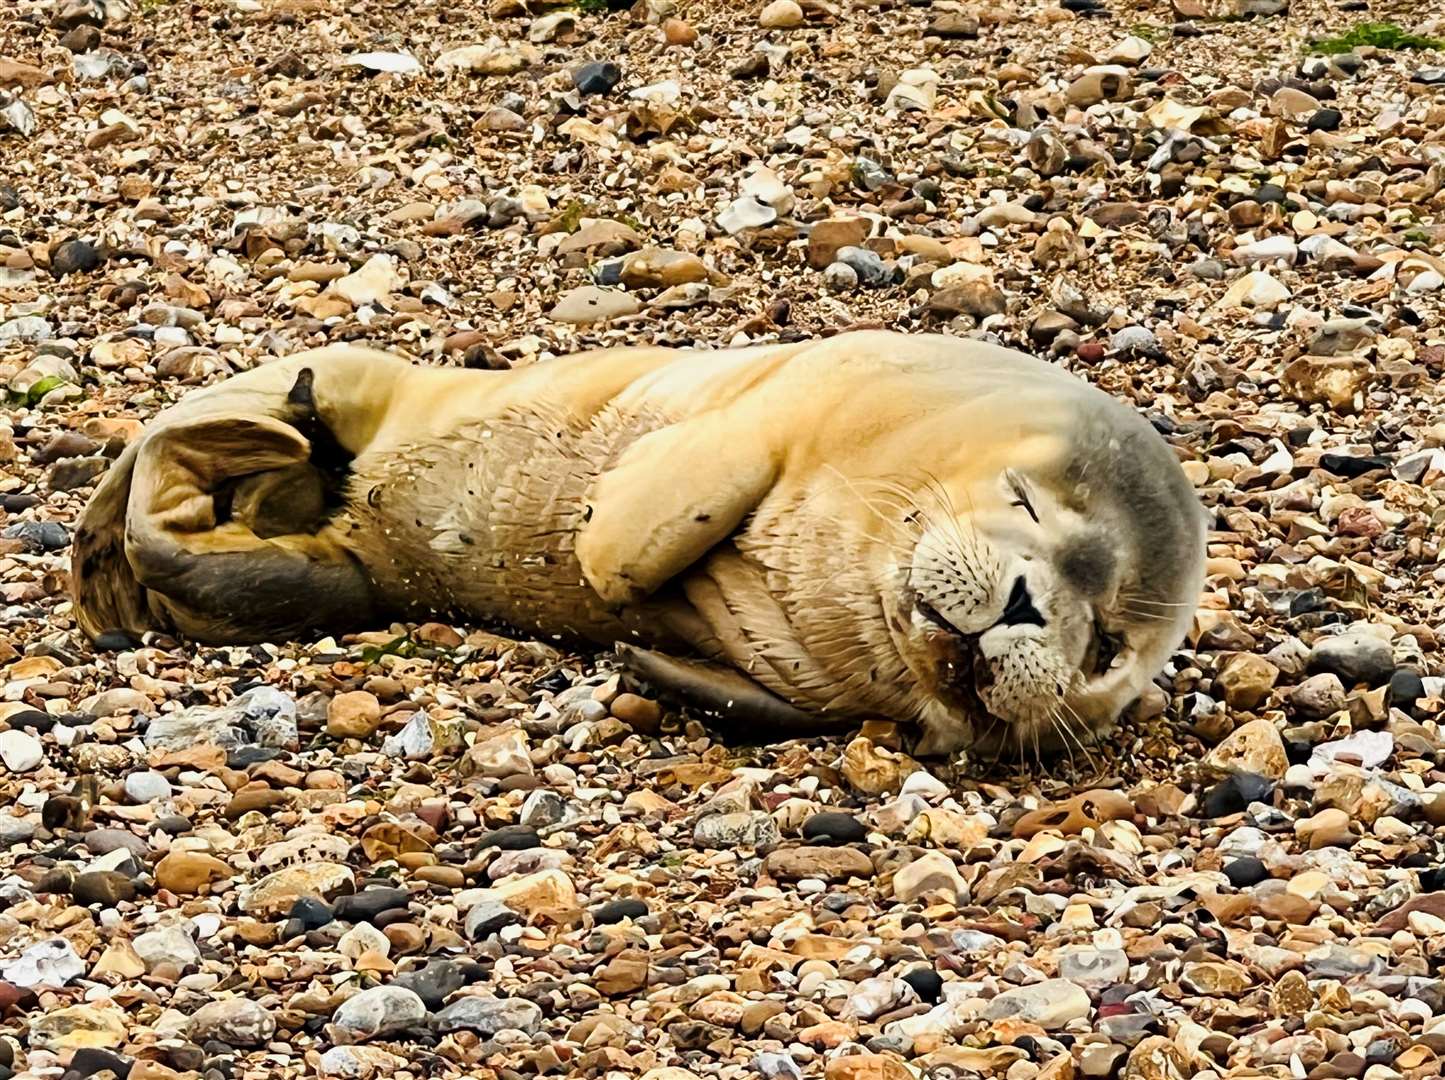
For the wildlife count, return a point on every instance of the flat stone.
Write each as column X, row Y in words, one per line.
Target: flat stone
column 234, row 1021
column 589, row 304
column 379, row 1011
column 933, row 872
column 489, row 1015
column 1050, row 1004
column 823, row 863
column 1254, row 747
column 20, row 751
column 276, row 892
column 753, row 829
column 1355, row 657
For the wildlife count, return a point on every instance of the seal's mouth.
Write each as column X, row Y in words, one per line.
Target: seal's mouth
column 959, row 661
column 1105, row 652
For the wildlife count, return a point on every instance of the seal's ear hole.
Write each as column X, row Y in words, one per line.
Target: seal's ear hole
column 1087, row 562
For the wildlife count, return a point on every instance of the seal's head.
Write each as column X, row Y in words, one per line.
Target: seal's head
column 1033, row 607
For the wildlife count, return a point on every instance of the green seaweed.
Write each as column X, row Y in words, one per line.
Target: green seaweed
column 1379, row 35
column 34, row 395
column 571, row 217
column 402, row 646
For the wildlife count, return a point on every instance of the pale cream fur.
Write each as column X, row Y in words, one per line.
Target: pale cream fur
column 779, row 508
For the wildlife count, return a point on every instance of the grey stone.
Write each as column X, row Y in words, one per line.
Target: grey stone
column 1050, row 1004
column 234, row 1021
column 262, row 716
column 1356, row 656
column 146, row 786
column 489, row 1015
column 382, row 1010
column 543, row 808
column 754, row 829
column 487, row 917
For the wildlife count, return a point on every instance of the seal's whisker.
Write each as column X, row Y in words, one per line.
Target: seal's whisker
column 1084, row 728
column 1066, row 740
column 908, row 526
column 853, row 490
column 947, row 550
column 1145, row 616
column 1139, row 598
column 999, row 746
column 949, row 524
column 940, row 492
column 942, row 529
column 1057, row 723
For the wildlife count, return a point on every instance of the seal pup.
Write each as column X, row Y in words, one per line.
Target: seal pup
column 934, row 530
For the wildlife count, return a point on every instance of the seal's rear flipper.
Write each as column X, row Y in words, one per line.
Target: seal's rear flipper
column 158, row 548
column 104, row 588
column 723, row 691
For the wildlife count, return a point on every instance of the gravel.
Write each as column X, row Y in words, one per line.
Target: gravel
column 411, row 852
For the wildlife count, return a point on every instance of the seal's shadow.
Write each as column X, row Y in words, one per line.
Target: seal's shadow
column 733, row 705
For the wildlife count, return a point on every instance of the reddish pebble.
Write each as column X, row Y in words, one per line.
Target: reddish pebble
column 678, row 32
column 638, row 713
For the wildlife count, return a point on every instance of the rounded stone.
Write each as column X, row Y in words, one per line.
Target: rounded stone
column 510, row 838
column 489, row 1015
column 234, row 1021
column 381, row 1010
column 614, row 911
column 840, row 277
column 1233, row 794
column 1244, row 872
column 751, row 828
column 639, row 713
column 353, row 715
column 146, row 786
column 833, row 827
column 597, row 77
column 926, row 983
column 20, row 751
column 1355, row 656
column 781, row 15
column 75, row 257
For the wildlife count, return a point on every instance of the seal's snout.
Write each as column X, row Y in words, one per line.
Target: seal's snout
column 1020, row 610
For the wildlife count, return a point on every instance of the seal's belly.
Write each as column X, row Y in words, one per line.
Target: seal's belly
column 484, row 523
column 484, row 520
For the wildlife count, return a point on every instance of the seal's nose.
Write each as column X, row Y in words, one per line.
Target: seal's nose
column 1020, row 610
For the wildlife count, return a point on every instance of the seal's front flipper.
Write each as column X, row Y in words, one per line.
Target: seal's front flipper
column 672, row 496
column 724, row 691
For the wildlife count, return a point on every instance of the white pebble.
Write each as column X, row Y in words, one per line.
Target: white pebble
column 20, row 751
